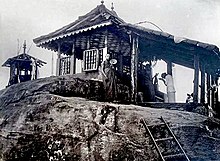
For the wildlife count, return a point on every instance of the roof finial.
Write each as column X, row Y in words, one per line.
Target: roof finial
column 102, row 2
column 112, row 6
column 24, row 46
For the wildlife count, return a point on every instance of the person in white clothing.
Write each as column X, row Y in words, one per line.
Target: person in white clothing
column 168, row 81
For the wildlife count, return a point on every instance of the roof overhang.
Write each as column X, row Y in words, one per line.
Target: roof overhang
column 40, row 42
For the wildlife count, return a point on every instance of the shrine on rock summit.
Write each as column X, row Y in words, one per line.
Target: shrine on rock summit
column 81, row 47
column 23, row 67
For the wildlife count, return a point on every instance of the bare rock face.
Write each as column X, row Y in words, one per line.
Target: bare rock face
column 41, row 120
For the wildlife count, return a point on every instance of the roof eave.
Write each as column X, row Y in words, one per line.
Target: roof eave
column 39, row 41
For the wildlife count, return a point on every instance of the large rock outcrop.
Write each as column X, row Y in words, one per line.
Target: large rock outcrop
column 46, row 119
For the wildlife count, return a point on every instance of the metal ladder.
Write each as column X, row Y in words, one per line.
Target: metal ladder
column 168, row 137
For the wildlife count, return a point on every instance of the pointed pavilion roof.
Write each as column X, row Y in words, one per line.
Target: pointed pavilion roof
column 98, row 17
column 23, row 57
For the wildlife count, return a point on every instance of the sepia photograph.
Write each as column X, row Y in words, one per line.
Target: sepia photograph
column 109, row 80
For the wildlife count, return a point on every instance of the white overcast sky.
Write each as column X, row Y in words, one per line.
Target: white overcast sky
column 28, row 19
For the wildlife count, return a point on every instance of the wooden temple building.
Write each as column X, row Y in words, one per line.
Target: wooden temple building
column 23, row 67
column 102, row 31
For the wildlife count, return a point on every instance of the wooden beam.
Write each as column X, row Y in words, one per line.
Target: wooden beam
column 196, row 78
column 202, row 94
column 134, row 64
column 58, row 60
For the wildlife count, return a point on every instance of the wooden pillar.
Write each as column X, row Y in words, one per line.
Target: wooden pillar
column 26, row 72
column 212, row 92
column 216, row 96
column 169, row 68
column 208, row 89
column 12, row 71
column 73, row 60
column 58, row 61
column 196, row 78
column 120, row 58
column 202, row 94
column 134, row 64
column 36, row 71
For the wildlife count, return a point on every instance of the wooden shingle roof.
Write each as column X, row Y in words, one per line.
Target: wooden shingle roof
column 98, row 17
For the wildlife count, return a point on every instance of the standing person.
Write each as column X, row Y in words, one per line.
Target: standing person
column 149, row 91
column 109, row 79
column 155, row 82
column 146, row 91
column 168, row 81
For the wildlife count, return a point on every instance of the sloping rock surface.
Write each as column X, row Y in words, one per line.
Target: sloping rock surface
column 47, row 119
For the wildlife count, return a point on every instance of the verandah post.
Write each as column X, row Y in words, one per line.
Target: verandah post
column 196, row 78
column 169, row 68
column 58, row 60
column 208, row 89
column 202, row 94
column 134, row 64
column 73, row 60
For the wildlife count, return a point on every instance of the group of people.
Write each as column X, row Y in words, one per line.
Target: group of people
column 109, row 80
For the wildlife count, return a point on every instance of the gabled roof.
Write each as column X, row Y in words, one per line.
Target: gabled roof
column 98, row 17
column 23, row 57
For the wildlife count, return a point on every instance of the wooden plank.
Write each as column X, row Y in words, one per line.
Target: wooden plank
column 196, row 78
column 174, row 156
column 164, row 139
column 153, row 125
column 134, row 64
column 202, row 94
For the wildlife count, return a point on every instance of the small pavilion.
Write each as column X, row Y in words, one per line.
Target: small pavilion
column 23, row 67
column 85, row 42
